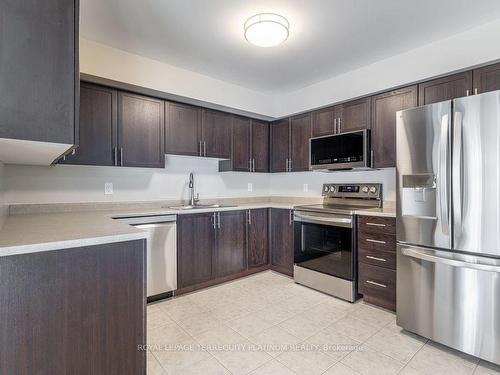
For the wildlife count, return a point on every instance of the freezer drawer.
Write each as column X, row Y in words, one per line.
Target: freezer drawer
column 450, row 298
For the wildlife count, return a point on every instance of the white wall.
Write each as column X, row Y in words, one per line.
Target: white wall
column 67, row 183
column 107, row 62
column 292, row 184
column 475, row 46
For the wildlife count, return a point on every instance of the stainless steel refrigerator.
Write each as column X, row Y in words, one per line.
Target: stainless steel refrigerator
column 448, row 223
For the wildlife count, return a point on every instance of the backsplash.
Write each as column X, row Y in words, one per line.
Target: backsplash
column 67, row 183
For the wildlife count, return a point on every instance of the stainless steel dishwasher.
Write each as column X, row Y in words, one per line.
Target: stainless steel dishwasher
column 161, row 253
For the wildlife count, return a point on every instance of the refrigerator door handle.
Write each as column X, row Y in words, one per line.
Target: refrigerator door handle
column 424, row 255
column 457, row 173
column 443, row 175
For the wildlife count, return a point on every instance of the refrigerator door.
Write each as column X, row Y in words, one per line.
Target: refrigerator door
column 424, row 175
column 476, row 174
column 449, row 298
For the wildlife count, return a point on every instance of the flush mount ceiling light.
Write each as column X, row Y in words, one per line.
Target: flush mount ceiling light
column 266, row 29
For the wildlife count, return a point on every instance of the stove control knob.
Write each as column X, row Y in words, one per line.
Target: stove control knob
column 365, row 189
column 332, row 189
column 326, row 189
column 373, row 189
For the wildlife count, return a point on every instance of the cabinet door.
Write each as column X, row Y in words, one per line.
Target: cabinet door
column 195, row 248
column 323, row 122
column 280, row 145
column 355, row 115
column 384, row 108
column 299, row 146
column 241, row 144
column 282, row 240
column 39, row 75
column 217, row 134
column 446, row 88
column 486, row 78
column 140, row 131
column 260, row 146
column 258, row 237
column 98, row 122
column 231, row 254
column 182, row 129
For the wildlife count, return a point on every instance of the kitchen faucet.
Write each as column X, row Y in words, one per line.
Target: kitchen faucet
column 192, row 199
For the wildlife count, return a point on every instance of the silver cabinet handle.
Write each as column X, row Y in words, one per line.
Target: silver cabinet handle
column 376, row 224
column 214, row 220
column 290, row 165
column 467, row 92
column 199, row 147
column 286, row 165
column 291, row 216
column 218, row 220
column 375, row 258
column 253, row 164
column 340, row 124
column 249, row 213
column 476, row 91
column 115, row 151
column 250, row 165
column 335, row 125
column 375, row 241
column 121, row 156
column 204, row 148
column 376, row 284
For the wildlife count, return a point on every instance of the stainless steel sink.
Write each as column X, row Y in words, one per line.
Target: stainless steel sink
column 199, row 206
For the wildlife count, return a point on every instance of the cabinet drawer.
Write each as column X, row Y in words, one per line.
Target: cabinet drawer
column 378, row 285
column 376, row 224
column 386, row 259
column 376, row 241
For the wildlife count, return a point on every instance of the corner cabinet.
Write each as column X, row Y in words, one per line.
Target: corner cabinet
column 280, row 145
column 39, row 61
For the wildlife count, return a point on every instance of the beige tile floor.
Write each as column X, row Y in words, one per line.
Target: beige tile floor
column 267, row 324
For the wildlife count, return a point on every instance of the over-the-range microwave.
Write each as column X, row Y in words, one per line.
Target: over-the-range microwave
column 350, row 150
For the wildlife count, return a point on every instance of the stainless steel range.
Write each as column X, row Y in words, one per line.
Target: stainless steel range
column 325, row 238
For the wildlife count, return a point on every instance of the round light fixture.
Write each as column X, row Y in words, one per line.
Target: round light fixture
column 266, row 29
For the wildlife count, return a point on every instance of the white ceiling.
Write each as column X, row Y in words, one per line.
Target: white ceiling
column 327, row 37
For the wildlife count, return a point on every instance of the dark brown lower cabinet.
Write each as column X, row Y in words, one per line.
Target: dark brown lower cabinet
column 282, row 240
column 258, row 237
column 74, row 311
column 195, row 248
column 231, row 242
column 377, row 260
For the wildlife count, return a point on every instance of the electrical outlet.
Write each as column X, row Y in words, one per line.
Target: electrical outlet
column 108, row 188
column 250, row 186
column 306, row 188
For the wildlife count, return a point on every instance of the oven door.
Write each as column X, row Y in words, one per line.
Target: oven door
column 324, row 243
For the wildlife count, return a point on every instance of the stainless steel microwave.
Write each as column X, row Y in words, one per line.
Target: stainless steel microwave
column 348, row 150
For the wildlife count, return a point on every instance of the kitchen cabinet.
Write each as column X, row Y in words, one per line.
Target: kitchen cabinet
column 280, row 146
column 324, row 121
column 355, row 115
column 486, row 78
column 383, row 135
column 300, row 132
column 216, row 134
column 182, row 129
column 445, row 88
column 98, row 127
column 195, row 248
column 282, row 240
column 260, row 146
column 231, row 242
column 141, row 131
column 258, row 237
column 39, row 80
column 377, row 260
column 70, row 311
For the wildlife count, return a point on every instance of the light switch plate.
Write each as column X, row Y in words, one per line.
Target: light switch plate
column 306, row 188
column 250, row 186
column 108, row 188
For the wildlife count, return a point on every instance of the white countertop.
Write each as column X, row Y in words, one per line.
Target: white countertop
column 36, row 232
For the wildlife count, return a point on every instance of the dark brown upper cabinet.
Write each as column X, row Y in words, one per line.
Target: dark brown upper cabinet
column 216, row 134
column 182, row 129
column 258, row 237
column 486, row 78
column 231, row 242
column 260, row 146
column 323, row 121
column 195, row 248
column 446, row 88
column 280, row 146
column 384, row 108
column 39, row 79
column 355, row 115
column 282, row 240
column 141, row 131
column 300, row 132
column 98, row 127
column 250, row 150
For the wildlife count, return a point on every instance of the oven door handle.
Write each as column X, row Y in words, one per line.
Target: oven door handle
column 333, row 221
